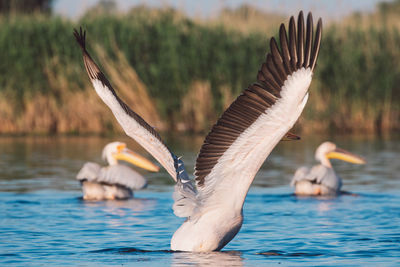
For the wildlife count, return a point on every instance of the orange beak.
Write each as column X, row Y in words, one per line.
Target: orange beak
column 128, row 155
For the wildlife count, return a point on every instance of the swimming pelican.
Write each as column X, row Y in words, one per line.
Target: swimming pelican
column 115, row 181
column 237, row 144
column 322, row 179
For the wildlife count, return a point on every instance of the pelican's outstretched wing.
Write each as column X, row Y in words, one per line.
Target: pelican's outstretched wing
column 301, row 174
column 133, row 125
column 114, row 175
column 251, row 127
column 90, row 171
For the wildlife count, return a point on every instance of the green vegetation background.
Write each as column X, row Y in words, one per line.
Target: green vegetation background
column 189, row 67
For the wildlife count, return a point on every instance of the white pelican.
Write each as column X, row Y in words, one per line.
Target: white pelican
column 114, row 181
column 237, row 144
column 321, row 179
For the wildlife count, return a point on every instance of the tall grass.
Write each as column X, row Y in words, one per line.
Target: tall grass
column 359, row 72
column 185, row 68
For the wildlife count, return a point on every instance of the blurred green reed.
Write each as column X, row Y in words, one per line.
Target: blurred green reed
column 356, row 85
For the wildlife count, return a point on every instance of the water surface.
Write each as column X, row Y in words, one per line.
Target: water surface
column 43, row 219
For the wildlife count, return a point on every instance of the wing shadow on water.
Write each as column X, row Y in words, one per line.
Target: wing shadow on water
column 128, row 251
column 282, row 254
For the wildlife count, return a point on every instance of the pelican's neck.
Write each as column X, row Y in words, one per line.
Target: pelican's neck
column 111, row 160
column 325, row 162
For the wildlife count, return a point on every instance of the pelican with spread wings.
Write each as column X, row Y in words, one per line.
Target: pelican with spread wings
column 237, row 144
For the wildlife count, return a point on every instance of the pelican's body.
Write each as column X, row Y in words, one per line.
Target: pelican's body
column 221, row 219
column 322, row 179
column 115, row 181
column 237, row 144
column 209, row 232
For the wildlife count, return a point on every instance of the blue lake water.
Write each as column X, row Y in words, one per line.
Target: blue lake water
column 44, row 221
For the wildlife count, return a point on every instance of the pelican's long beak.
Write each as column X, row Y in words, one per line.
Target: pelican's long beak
column 345, row 156
column 128, row 155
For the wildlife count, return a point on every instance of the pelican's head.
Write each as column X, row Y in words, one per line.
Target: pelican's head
column 115, row 151
column 329, row 150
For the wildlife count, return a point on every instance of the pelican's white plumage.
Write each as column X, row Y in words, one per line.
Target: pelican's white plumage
column 114, row 181
column 322, row 179
column 237, row 144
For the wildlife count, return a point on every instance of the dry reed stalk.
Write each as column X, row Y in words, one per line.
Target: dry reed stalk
column 40, row 115
column 197, row 111
column 83, row 112
column 226, row 96
column 8, row 116
column 75, row 111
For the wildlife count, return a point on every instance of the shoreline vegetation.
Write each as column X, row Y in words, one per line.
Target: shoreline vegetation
column 180, row 73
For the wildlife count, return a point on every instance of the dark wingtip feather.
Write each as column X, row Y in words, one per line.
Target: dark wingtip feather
column 319, row 24
column 309, row 18
column 80, row 37
column 292, row 43
column 317, row 43
column 300, row 40
column 285, row 48
column 309, row 40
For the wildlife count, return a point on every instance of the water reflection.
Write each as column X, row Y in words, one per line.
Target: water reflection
column 119, row 213
column 226, row 258
column 324, row 207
